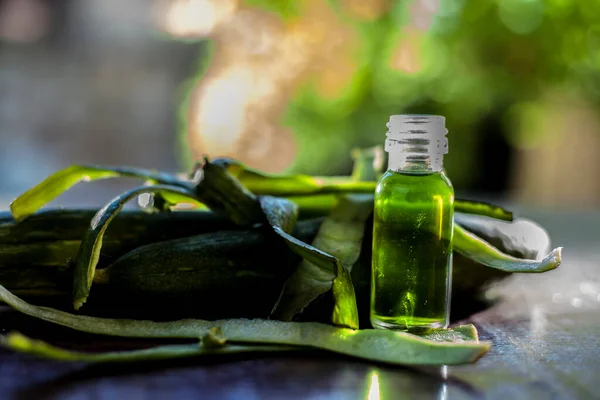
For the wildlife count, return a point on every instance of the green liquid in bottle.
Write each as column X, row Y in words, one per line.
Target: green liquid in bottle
column 412, row 251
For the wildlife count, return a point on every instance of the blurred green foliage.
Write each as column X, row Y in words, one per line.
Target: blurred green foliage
column 479, row 58
column 284, row 8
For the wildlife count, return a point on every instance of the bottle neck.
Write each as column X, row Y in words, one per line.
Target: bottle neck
column 416, row 143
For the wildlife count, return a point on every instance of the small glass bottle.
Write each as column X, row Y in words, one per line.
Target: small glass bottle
column 412, row 228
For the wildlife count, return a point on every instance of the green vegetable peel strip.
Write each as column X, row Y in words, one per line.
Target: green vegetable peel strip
column 89, row 250
column 222, row 193
column 376, row 345
column 255, row 181
column 23, row 344
column 299, row 185
column 484, row 253
column 18, row 342
column 483, row 209
column 281, row 214
column 340, row 235
column 262, row 183
column 345, row 312
column 61, row 181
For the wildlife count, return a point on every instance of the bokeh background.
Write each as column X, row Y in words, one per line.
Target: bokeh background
column 288, row 85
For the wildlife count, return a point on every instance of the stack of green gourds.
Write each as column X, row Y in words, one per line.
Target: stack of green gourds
column 270, row 262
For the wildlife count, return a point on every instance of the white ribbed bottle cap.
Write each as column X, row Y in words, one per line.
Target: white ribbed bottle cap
column 427, row 130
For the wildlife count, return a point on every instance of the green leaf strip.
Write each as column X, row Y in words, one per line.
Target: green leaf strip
column 300, row 185
column 23, row 344
column 481, row 208
column 387, row 346
column 479, row 250
column 262, row 183
column 61, row 181
column 340, row 235
column 345, row 312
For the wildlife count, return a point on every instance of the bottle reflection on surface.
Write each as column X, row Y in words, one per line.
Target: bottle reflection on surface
column 443, row 393
column 391, row 384
column 373, row 392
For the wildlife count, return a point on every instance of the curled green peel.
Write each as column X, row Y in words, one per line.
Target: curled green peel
column 345, row 311
column 480, row 251
column 61, row 181
column 213, row 179
column 376, row 345
column 89, row 250
column 340, row 235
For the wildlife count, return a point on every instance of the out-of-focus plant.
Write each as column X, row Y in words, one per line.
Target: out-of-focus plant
column 306, row 81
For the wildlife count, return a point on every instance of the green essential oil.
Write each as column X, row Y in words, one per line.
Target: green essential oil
column 412, row 245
